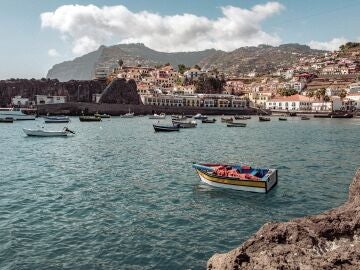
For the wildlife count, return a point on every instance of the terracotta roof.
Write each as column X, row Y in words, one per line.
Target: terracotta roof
column 291, row 98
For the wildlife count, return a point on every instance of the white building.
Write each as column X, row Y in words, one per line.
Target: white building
column 20, row 101
column 193, row 74
column 44, row 99
column 290, row 103
column 356, row 98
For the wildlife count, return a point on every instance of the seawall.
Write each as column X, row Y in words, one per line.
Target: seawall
column 330, row 240
column 76, row 108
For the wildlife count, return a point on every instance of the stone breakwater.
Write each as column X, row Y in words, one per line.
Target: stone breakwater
column 330, row 240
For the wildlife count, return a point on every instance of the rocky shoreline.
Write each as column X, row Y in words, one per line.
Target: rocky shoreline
column 330, row 240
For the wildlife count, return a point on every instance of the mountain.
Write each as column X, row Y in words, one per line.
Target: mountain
column 262, row 58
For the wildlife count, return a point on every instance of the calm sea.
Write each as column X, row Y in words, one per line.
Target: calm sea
column 119, row 196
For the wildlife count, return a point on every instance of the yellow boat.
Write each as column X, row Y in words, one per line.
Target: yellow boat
column 237, row 177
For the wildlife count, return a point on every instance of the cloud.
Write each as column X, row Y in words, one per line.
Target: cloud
column 88, row 27
column 331, row 45
column 53, row 53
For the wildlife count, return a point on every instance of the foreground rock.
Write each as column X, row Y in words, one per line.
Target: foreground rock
column 326, row 241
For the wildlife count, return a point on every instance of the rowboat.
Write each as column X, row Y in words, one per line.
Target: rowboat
column 238, row 177
column 56, row 119
column 104, row 115
column 166, row 128
column 282, row 119
column 158, row 116
column 48, row 133
column 264, row 119
column 236, row 125
column 199, row 116
column 185, row 124
column 89, row 119
column 7, row 120
column 227, row 120
column 208, row 121
column 305, row 118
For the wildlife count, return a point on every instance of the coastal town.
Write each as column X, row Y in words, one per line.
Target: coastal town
column 326, row 83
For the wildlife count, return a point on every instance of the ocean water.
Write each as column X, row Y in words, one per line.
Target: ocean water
column 120, row 196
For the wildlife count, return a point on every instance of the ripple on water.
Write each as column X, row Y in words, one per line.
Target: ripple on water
column 119, row 196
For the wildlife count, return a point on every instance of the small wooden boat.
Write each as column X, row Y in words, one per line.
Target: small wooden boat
column 199, row 116
column 185, row 124
column 56, row 119
column 227, row 120
column 7, row 120
column 166, row 128
column 237, row 177
column 158, row 116
column 305, row 118
column 282, row 118
column 84, row 118
column 102, row 115
column 236, row 124
column 264, row 119
column 48, row 133
column 208, row 121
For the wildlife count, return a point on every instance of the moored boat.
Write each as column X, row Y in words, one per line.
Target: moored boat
column 185, row 124
column 178, row 117
column 128, row 115
column 237, row 177
column 236, row 124
column 242, row 117
column 56, row 119
column 84, row 118
column 227, row 120
column 282, row 118
column 199, row 116
column 208, row 121
column 16, row 114
column 48, row 133
column 328, row 115
column 305, row 118
column 342, row 115
column 7, row 120
column 166, row 128
column 104, row 115
column 264, row 119
column 158, row 116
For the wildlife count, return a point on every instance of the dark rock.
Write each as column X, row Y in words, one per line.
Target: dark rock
column 122, row 92
column 330, row 240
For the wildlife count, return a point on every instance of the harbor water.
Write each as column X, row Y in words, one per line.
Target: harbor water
column 117, row 195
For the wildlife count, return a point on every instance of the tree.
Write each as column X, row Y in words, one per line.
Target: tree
column 287, row 92
column 326, row 98
column 320, row 93
column 342, row 94
column 197, row 67
column 310, row 94
column 120, row 62
column 182, row 68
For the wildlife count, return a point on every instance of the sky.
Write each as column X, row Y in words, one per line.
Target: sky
column 36, row 34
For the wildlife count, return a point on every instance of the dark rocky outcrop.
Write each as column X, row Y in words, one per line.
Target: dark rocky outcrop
column 76, row 91
column 330, row 240
column 122, row 92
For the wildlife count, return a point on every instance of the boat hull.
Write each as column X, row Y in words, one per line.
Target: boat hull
column 244, row 185
column 236, row 125
column 89, row 119
column 165, row 128
column 42, row 133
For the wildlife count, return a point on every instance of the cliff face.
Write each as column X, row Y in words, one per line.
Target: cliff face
column 330, row 240
column 73, row 90
column 122, row 92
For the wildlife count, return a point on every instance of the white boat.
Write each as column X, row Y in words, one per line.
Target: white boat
column 158, row 116
column 48, row 133
column 16, row 114
column 128, row 115
column 56, row 119
column 199, row 116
